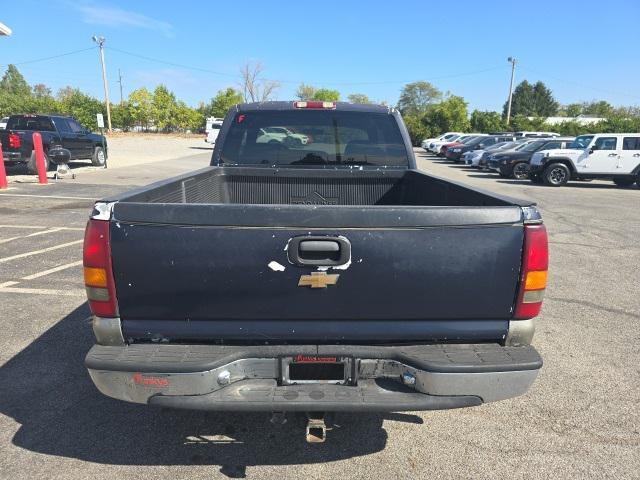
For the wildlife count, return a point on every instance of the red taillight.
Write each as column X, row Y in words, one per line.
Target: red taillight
column 98, row 275
column 14, row 140
column 315, row 104
column 533, row 278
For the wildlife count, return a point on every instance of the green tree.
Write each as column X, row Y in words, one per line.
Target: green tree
column 305, row 92
column 416, row 97
column 418, row 130
column 531, row 101
column 522, row 102
column 223, row 101
column 13, row 83
column 81, row 106
column 572, row 110
column 186, row 118
column 359, row 98
column 141, row 105
column 545, row 104
column 486, row 122
column 326, row 95
column 448, row 115
column 600, row 108
column 164, row 108
column 122, row 115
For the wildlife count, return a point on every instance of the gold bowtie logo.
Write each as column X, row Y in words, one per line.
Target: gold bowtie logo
column 317, row 280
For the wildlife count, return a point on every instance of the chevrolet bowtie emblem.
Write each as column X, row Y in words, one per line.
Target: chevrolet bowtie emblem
column 317, row 280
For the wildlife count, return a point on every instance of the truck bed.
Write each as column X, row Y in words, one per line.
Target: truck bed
column 290, row 186
column 203, row 257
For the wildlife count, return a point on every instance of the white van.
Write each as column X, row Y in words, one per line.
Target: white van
column 535, row 134
column 612, row 156
column 213, row 129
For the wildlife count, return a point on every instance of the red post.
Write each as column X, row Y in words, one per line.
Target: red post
column 3, row 172
column 40, row 165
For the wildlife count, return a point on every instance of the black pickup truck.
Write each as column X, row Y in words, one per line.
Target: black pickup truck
column 58, row 133
column 317, row 277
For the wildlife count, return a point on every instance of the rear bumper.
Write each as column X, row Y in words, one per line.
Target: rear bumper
column 241, row 378
column 14, row 157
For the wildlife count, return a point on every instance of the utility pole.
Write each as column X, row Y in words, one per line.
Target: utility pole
column 120, row 82
column 513, row 70
column 100, row 42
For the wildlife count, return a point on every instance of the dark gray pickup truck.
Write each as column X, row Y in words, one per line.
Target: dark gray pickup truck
column 316, row 270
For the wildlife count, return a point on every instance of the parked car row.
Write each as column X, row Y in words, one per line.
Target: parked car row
column 545, row 157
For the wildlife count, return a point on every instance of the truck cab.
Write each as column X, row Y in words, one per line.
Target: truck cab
column 609, row 156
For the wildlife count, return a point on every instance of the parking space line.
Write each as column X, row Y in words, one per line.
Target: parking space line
column 9, row 239
column 43, row 232
column 35, row 234
column 43, row 291
column 45, row 196
column 36, row 252
column 51, row 270
column 40, row 227
column 8, row 284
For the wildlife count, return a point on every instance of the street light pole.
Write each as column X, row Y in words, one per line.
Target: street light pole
column 100, row 42
column 513, row 70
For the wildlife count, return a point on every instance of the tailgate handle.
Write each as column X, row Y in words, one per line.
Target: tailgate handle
column 328, row 246
column 319, row 251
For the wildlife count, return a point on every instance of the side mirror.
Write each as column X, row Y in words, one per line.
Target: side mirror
column 592, row 149
column 59, row 155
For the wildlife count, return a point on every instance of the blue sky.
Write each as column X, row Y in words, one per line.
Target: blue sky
column 582, row 50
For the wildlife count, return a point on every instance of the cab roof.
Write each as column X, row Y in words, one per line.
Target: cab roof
column 290, row 105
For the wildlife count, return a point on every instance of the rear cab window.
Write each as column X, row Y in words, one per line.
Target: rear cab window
column 314, row 137
column 61, row 124
column 31, row 123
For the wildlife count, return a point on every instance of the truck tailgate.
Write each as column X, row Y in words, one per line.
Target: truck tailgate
column 436, row 263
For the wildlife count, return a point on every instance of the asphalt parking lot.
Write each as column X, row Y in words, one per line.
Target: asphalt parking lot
column 581, row 419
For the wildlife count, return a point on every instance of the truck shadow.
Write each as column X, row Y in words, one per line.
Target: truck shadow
column 48, row 392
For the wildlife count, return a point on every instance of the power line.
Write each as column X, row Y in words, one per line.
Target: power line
column 578, row 84
column 157, row 60
column 43, row 59
column 297, row 82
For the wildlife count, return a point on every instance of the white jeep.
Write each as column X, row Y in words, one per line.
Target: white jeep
column 612, row 156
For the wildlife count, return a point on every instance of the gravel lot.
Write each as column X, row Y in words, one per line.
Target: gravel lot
column 132, row 149
column 581, row 419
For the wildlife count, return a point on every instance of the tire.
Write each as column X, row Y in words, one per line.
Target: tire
column 520, row 171
column 556, row 175
column 99, row 158
column 624, row 182
column 32, row 167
